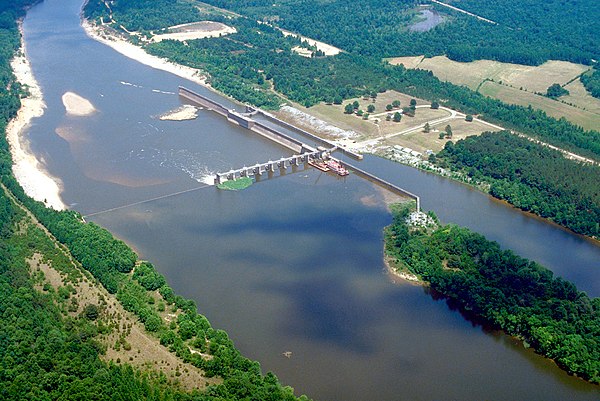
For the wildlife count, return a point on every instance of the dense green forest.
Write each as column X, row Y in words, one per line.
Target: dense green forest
column 258, row 59
column 591, row 81
column 527, row 31
column 530, row 176
column 508, row 292
column 45, row 353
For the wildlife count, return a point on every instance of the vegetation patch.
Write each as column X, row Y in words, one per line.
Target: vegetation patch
column 557, row 109
column 508, row 292
column 237, row 184
column 517, row 84
column 530, row 176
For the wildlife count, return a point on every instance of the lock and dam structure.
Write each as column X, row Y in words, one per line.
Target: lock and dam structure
column 303, row 153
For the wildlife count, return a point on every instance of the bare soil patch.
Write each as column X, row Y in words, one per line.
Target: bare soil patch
column 324, row 47
column 195, row 30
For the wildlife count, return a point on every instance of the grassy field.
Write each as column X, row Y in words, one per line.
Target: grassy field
column 421, row 141
column 580, row 97
column 531, row 78
column 422, row 115
column 587, row 119
column 519, row 84
column 334, row 115
column 408, row 132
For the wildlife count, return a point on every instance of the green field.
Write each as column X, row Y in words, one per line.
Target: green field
column 519, row 83
column 587, row 119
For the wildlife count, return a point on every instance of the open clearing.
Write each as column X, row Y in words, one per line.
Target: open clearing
column 581, row 98
column 421, row 141
column 531, row 78
column 408, row 132
column 195, row 30
column 334, row 114
column 520, row 82
column 324, row 47
column 587, row 119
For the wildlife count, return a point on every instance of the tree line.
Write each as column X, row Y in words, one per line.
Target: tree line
column 526, row 33
column 591, row 81
column 530, row 176
column 508, row 292
column 47, row 354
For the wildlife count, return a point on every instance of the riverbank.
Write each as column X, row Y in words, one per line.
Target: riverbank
column 103, row 35
column 112, row 38
column 28, row 171
column 404, row 276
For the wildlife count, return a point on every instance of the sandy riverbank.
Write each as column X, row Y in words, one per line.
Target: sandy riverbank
column 28, row 171
column 401, row 276
column 137, row 53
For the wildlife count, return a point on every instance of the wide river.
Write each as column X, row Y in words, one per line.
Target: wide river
column 293, row 263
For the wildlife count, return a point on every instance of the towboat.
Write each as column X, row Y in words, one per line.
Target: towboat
column 337, row 167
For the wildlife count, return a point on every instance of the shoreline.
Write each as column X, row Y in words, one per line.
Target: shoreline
column 27, row 169
column 138, row 54
column 406, row 277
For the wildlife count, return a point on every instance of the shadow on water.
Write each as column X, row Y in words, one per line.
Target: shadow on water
column 294, row 263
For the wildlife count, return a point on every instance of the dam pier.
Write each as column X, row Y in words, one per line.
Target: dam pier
column 303, row 153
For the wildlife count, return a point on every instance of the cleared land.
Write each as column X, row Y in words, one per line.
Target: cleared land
column 531, row 78
column 581, row 98
column 421, row 141
column 554, row 108
column 520, row 82
column 195, row 30
column 334, row 114
column 408, row 132
column 324, row 47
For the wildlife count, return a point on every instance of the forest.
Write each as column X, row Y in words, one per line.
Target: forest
column 592, row 81
column 256, row 65
column 506, row 291
column 530, row 176
column 525, row 34
column 49, row 354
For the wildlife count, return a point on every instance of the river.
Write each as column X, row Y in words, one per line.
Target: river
column 293, row 263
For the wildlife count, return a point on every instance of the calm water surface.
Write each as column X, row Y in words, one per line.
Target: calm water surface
column 293, row 263
column 432, row 19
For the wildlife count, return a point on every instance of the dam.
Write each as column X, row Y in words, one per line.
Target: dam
column 303, row 153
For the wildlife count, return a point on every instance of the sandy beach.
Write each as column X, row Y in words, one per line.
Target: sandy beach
column 137, row 53
column 30, row 172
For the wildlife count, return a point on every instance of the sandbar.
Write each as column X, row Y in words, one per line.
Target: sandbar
column 29, row 172
column 77, row 105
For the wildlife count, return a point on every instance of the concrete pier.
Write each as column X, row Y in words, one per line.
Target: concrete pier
column 244, row 120
column 271, row 166
column 322, row 141
column 304, row 152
